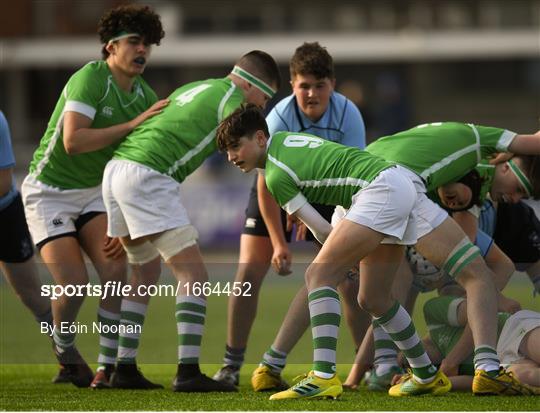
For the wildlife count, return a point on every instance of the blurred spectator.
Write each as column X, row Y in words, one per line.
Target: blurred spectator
column 392, row 110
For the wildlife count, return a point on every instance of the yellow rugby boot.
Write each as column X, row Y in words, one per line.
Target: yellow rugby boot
column 264, row 379
column 312, row 387
column 408, row 386
column 503, row 383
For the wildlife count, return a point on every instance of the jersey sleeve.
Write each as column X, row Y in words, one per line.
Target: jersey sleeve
column 495, row 139
column 7, row 159
column 284, row 190
column 84, row 91
column 353, row 127
column 275, row 122
column 442, row 310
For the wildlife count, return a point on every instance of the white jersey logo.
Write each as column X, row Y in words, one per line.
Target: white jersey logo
column 107, row 111
column 190, row 94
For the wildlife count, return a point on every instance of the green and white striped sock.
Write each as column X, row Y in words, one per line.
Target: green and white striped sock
column 486, row 358
column 325, row 314
column 131, row 313
column 398, row 324
column 190, row 317
column 385, row 350
column 274, row 359
column 63, row 341
column 108, row 341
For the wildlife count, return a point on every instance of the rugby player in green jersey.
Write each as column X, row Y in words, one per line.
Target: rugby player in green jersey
column 100, row 104
column 141, row 190
column 313, row 107
column 385, row 212
column 518, row 342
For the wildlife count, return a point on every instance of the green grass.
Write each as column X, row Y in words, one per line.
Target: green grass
column 27, row 363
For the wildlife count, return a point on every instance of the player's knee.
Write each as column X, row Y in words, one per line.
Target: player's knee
column 114, row 270
column 253, row 273
column 175, row 240
column 139, row 254
column 314, row 277
column 367, row 303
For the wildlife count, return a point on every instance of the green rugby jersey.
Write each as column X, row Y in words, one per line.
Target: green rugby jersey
column 446, row 336
column 442, row 152
column 302, row 166
column 179, row 139
column 92, row 92
column 486, row 172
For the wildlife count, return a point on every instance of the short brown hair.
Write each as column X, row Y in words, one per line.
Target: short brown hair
column 261, row 65
column 312, row 59
column 244, row 121
column 530, row 165
column 131, row 18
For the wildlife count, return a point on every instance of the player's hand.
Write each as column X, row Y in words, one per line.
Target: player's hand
column 396, row 378
column 449, row 368
column 281, row 260
column 501, row 158
column 112, row 248
column 508, row 305
column 153, row 110
column 301, row 229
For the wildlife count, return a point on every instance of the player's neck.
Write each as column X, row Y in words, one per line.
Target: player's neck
column 122, row 79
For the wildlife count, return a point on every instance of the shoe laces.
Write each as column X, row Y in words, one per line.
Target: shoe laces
column 302, row 379
column 404, row 377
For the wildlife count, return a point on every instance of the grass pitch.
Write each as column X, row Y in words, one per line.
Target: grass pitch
column 27, row 363
column 27, row 387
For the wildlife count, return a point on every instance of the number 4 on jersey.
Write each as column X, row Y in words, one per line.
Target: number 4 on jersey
column 190, row 94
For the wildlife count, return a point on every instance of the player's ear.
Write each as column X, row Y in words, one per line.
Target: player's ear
column 261, row 138
column 110, row 47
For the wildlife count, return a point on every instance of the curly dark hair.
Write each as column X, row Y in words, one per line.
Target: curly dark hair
column 312, row 59
column 244, row 121
column 130, row 18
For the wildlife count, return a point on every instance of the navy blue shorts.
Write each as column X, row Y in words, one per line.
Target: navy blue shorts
column 15, row 242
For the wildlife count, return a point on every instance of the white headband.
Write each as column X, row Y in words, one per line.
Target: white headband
column 122, row 35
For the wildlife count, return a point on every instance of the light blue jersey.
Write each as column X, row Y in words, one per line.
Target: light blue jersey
column 7, row 160
column 341, row 122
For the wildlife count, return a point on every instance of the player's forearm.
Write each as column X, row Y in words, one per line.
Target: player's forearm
column 462, row 349
column 525, row 144
column 87, row 139
column 271, row 213
column 319, row 227
column 468, row 223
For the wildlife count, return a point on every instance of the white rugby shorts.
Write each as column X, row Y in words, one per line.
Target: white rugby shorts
column 52, row 211
column 140, row 201
column 515, row 328
column 395, row 204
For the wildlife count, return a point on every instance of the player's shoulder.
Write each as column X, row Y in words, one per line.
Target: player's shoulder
column 343, row 107
column 96, row 68
column 208, row 85
column 285, row 107
column 92, row 76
